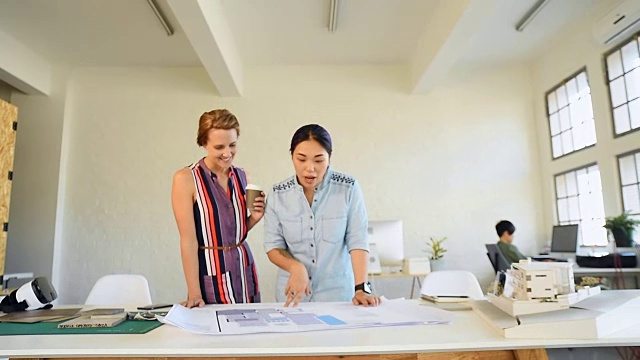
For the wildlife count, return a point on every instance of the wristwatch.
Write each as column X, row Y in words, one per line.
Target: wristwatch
column 365, row 286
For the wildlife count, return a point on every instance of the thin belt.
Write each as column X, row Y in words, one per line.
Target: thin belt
column 223, row 248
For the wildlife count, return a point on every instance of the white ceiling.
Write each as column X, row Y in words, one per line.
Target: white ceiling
column 295, row 31
column 430, row 37
column 126, row 32
column 95, row 32
column 498, row 42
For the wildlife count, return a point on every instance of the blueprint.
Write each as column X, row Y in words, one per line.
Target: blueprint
column 261, row 318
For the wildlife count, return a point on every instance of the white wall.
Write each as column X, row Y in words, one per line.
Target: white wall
column 572, row 50
column 468, row 147
column 5, row 91
column 34, row 189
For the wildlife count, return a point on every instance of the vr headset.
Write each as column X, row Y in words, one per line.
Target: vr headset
column 36, row 294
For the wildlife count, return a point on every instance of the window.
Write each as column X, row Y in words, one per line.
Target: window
column 623, row 72
column 579, row 201
column 629, row 166
column 571, row 116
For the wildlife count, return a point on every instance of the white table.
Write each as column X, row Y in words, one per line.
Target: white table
column 468, row 334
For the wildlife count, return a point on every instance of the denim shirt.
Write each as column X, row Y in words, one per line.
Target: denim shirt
column 321, row 235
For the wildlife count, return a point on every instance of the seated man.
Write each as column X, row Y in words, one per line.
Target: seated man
column 505, row 230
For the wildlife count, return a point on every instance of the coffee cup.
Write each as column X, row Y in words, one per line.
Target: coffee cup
column 252, row 192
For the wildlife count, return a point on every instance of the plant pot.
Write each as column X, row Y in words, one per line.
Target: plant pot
column 622, row 238
column 436, row 265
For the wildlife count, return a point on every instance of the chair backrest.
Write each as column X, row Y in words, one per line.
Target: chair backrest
column 120, row 290
column 451, row 283
column 496, row 257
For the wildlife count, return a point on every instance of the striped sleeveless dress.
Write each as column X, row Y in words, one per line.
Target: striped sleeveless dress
column 226, row 276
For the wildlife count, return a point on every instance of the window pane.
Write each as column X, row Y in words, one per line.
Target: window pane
column 634, row 112
column 614, row 65
column 563, row 211
column 572, row 184
column 578, row 137
column 561, row 187
column 551, row 99
column 632, row 80
column 587, row 109
column 623, row 90
column 593, row 234
column 583, row 181
column 575, row 115
column 571, row 126
column 572, row 90
column 583, row 84
column 628, row 171
column 589, row 132
column 574, row 208
column 618, row 95
column 637, row 156
column 598, row 208
column 630, row 56
column 565, row 119
column 621, row 119
column 567, row 142
column 636, row 234
column 562, row 97
column 586, row 208
column 631, row 199
column 594, row 179
column 556, row 146
column 554, row 123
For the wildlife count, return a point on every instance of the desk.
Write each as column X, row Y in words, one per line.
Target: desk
column 607, row 272
column 467, row 336
column 415, row 278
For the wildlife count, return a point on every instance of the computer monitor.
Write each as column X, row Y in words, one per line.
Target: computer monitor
column 386, row 236
column 564, row 240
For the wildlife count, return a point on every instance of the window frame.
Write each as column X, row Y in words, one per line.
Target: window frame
column 618, row 157
column 548, row 116
column 581, row 244
column 636, row 37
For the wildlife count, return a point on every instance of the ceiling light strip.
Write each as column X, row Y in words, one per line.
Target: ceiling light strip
column 535, row 9
column 333, row 15
column 160, row 15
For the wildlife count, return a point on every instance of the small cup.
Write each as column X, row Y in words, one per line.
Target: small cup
column 252, row 192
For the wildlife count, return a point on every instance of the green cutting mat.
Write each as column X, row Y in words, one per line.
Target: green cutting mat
column 51, row 328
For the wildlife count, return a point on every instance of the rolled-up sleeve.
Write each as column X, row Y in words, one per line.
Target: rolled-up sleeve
column 273, row 234
column 357, row 236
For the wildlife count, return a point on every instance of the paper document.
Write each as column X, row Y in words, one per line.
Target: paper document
column 261, row 318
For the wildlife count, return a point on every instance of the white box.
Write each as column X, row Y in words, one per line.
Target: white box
column 416, row 266
column 592, row 318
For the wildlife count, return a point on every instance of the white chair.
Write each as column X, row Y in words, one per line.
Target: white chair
column 128, row 290
column 451, row 283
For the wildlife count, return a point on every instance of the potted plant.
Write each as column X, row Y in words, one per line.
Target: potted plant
column 436, row 253
column 622, row 227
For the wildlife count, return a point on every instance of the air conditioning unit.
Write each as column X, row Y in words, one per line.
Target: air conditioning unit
column 618, row 24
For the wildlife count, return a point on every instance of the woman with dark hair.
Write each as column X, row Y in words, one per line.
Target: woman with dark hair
column 316, row 228
column 209, row 205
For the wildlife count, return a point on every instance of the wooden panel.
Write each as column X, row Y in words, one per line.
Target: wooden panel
column 526, row 354
column 531, row 354
column 8, row 114
column 470, row 355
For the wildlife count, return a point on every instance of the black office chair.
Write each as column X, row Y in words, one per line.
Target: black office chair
column 498, row 261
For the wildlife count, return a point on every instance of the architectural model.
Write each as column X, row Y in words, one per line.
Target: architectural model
column 534, row 287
